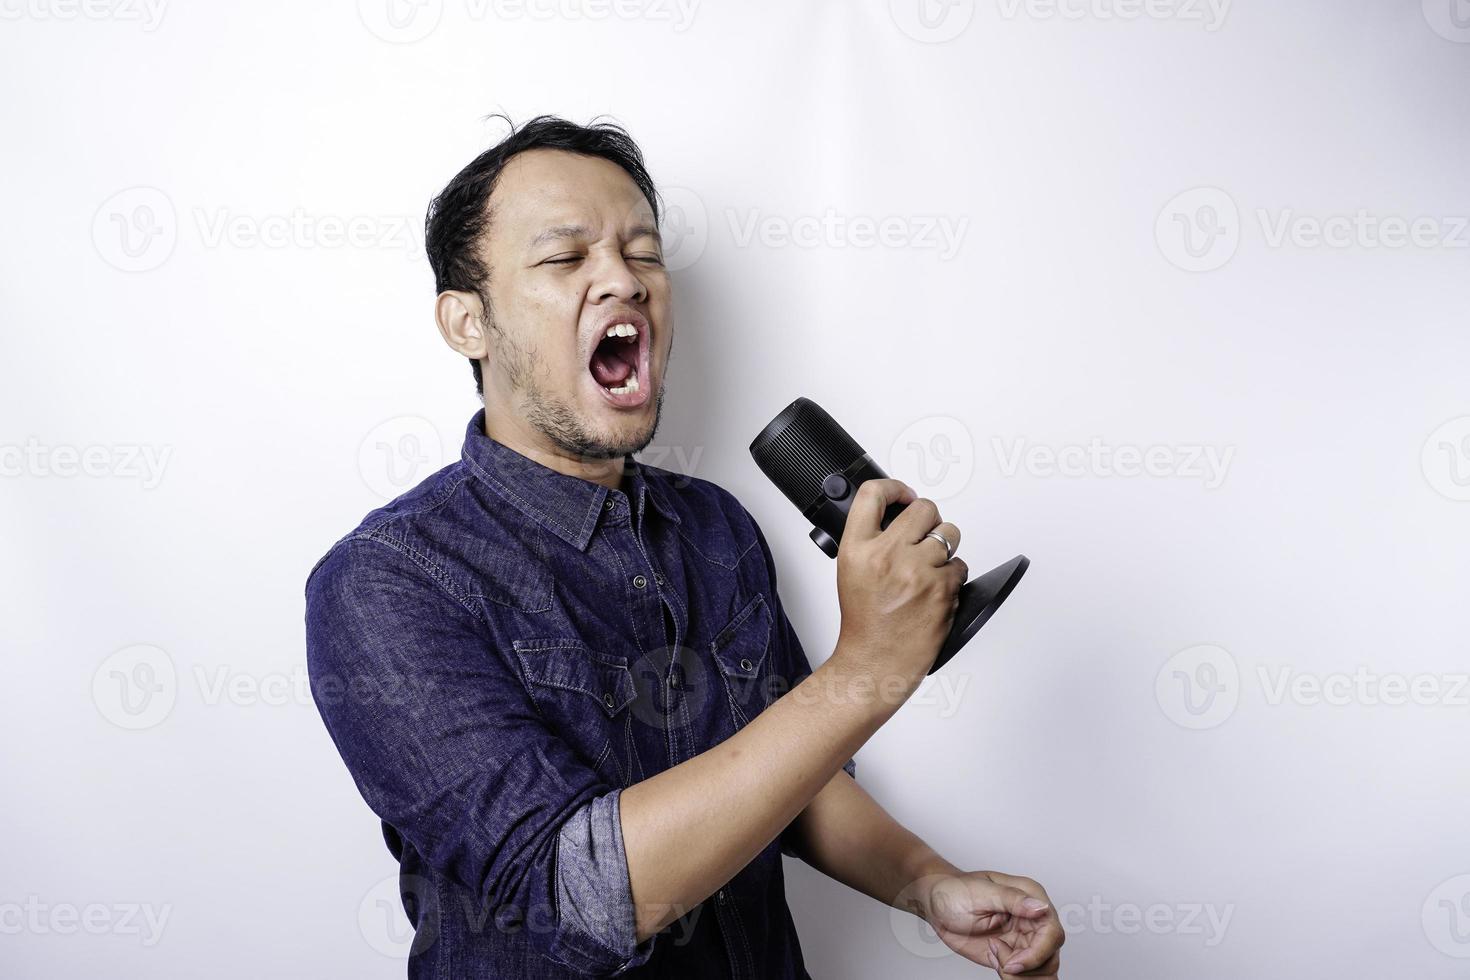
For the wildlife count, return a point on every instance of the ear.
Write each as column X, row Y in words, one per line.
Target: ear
column 458, row 314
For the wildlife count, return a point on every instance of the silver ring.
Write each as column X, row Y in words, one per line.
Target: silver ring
column 948, row 548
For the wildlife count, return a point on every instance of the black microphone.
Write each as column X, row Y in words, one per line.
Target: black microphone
column 819, row 467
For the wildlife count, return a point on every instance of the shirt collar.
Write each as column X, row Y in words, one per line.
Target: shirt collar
column 567, row 506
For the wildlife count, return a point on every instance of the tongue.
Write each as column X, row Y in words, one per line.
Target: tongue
column 609, row 369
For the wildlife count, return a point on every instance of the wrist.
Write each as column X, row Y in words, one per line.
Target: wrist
column 856, row 687
column 926, row 870
column 877, row 673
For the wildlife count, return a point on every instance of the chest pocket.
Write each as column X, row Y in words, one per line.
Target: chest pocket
column 584, row 695
column 742, row 653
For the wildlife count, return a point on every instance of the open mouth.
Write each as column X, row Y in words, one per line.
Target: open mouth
column 619, row 359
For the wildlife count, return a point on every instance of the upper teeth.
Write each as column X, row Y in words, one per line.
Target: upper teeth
column 622, row 330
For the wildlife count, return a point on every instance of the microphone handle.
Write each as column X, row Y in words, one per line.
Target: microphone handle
column 979, row 598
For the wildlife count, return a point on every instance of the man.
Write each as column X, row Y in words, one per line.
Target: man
column 563, row 678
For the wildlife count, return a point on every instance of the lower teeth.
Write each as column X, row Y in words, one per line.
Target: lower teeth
column 630, row 386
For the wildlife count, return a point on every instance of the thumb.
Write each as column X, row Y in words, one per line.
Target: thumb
column 865, row 516
column 1016, row 902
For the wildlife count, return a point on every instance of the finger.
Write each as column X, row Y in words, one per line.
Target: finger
column 996, row 959
column 1035, row 949
column 941, row 553
column 917, row 519
column 1002, row 951
column 1025, row 884
column 1020, row 903
column 865, row 516
column 960, row 574
column 1047, row 970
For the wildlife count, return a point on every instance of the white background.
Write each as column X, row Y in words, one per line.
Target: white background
column 171, row 288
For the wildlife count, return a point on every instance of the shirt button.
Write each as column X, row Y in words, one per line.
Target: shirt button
column 608, row 504
column 720, row 896
column 658, row 578
column 745, row 663
column 674, row 680
column 639, row 581
column 607, row 699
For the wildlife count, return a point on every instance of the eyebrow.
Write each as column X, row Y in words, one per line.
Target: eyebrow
column 580, row 231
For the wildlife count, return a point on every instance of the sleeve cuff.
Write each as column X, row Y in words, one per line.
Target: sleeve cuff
column 593, row 891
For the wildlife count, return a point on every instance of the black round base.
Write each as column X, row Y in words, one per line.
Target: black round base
column 979, row 599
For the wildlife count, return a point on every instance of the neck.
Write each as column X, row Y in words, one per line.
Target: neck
column 512, row 431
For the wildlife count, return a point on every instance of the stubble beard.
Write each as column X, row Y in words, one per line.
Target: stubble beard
column 555, row 416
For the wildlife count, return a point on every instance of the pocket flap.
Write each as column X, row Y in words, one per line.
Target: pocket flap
column 740, row 647
column 571, row 665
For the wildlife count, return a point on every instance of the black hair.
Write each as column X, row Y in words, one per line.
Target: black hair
column 460, row 214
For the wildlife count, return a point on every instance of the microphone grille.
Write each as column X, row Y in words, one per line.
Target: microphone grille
column 800, row 447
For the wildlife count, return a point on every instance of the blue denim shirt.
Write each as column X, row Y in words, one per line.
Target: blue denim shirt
column 497, row 654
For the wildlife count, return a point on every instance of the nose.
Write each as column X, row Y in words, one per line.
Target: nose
column 616, row 280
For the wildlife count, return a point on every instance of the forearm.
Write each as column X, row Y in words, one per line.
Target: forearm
column 848, row 836
column 690, row 829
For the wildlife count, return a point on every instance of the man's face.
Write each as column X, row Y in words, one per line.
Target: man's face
column 572, row 250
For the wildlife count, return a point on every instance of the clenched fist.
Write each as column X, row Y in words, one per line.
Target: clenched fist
column 897, row 591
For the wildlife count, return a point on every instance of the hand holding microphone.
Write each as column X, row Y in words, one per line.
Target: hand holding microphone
column 824, row 472
column 898, row 586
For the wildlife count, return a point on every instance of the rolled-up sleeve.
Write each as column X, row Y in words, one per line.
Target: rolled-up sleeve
column 446, row 746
